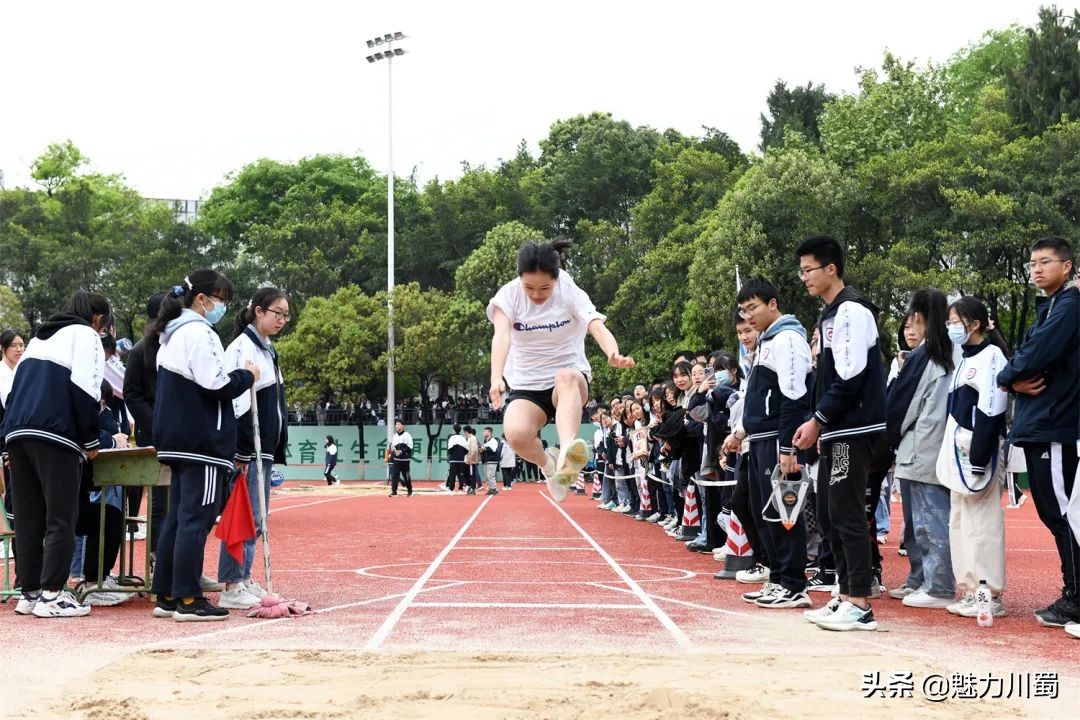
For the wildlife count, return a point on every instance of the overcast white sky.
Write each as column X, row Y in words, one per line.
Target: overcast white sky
column 176, row 95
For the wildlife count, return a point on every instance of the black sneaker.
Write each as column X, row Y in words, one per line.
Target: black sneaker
column 164, row 608
column 784, row 598
column 200, row 610
column 1061, row 612
column 821, row 581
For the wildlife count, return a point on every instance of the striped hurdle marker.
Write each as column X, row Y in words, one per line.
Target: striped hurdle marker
column 691, row 518
column 579, row 486
column 643, row 494
column 597, row 485
column 739, row 556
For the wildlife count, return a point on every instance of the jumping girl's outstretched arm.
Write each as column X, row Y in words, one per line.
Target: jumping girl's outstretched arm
column 600, row 333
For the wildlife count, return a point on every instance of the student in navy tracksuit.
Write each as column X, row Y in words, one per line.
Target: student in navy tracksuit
column 50, row 430
column 263, row 318
column 777, row 401
column 1045, row 375
column 195, row 435
column 849, row 421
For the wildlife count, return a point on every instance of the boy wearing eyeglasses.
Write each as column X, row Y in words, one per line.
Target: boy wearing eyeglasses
column 1044, row 375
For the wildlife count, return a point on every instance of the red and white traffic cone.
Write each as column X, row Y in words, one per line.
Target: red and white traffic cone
column 739, row 556
column 691, row 517
column 643, row 493
column 597, row 485
column 579, row 486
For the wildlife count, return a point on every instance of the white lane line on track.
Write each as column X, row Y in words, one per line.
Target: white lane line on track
column 395, row 615
column 676, row 632
column 767, row 618
column 576, row 538
column 554, row 606
column 317, row 502
column 168, row 643
column 525, row 548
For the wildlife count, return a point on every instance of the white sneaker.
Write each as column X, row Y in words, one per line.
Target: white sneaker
column 114, row 587
column 997, row 609
column 557, row 490
column 653, row 518
column 757, row 574
column 140, row 532
column 252, row 587
column 61, row 604
column 26, row 604
column 1072, row 628
column 766, row 590
column 822, row 613
column 923, row 599
column 849, row 617
column 571, row 459
column 968, row 601
column 237, row 599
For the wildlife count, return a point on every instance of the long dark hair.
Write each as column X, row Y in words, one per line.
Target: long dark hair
column 205, row 281
column 263, row 298
column 934, row 308
column 972, row 310
column 542, row 257
column 7, row 339
column 86, row 305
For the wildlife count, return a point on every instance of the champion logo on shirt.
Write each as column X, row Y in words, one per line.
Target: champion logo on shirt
column 550, row 327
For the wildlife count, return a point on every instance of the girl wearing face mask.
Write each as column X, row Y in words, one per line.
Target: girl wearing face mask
column 969, row 462
column 195, row 435
column 262, row 319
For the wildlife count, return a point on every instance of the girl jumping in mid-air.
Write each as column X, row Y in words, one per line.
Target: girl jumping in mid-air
column 538, row 352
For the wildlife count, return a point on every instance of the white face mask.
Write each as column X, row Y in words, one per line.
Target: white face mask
column 958, row 334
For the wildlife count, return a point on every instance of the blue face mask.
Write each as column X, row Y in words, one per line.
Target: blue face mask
column 958, row 334
column 722, row 378
column 214, row 315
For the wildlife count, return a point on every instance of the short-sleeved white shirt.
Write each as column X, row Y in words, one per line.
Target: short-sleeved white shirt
column 545, row 338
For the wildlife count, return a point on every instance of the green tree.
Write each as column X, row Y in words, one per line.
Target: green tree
column 890, row 112
column 11, row 313
column 1046, row 87
column 980, row 66
column 798, row 109
column 57, row 165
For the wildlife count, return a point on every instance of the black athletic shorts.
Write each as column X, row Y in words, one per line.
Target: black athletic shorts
column 541, row 398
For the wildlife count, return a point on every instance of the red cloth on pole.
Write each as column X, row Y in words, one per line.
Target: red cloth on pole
column 236, row 525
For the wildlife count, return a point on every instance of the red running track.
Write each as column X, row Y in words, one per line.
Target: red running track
column 517, row 572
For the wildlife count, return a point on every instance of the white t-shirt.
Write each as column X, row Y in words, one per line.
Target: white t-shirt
column 545, row 338
column 7, row 379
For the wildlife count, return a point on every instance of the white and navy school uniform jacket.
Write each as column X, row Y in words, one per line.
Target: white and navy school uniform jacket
column 193, row 413
column 456, row 449
column 56, row 395
column 849, row 389
column 976, row 402
column 777, row 398
column 269, row 394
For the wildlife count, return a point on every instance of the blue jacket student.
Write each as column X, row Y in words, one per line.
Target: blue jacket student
column 65, row 353
column 777, row 399
column 193, row 412
column 1049, row 350
column 850, row 383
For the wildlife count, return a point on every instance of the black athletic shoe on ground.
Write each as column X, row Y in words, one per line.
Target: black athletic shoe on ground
column 200, row 610
column 1061, row 612
column 821, row 582
column 164, row 608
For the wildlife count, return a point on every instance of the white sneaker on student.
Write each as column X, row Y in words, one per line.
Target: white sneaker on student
column 237, row 599
column 822, row 613
column 849, row 617
column 963, row 604
column 252, row 587
column 557, row 490
column 571, row 459
column 26, row 604
column 758, row 573
column 61, row 604
column 923, row 599
column 208, row 585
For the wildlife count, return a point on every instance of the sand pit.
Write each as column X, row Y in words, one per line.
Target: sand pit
column 329, row 684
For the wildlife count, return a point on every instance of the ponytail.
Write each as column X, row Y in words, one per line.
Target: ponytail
column 933, row 306
column 204, row 281
column 972, row 309
column 86, row 305
column 263, row 298
column 542, row 257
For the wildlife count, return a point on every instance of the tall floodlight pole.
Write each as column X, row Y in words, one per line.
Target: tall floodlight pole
column 386, row 51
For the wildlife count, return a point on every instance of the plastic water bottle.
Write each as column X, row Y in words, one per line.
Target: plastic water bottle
column 984, row 612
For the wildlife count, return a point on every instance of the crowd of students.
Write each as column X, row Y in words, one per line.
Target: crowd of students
column 65, row 397
column 823, row 406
